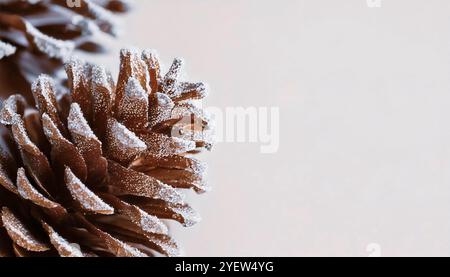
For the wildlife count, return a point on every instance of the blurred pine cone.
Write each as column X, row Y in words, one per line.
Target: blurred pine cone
column 94, row 172
column 36, row 36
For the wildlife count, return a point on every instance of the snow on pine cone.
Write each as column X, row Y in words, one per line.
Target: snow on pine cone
column 94, row 172
column 56, row 27
column 36, row 36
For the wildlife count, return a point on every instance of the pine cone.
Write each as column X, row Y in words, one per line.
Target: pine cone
column 95, row 171
column 43, row 33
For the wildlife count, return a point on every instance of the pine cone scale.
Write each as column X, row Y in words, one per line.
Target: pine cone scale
column 106, row 181
column 20, row 233
column 37, row 36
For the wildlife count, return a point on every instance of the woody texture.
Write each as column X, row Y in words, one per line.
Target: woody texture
column 37, row 36
column 98, row 169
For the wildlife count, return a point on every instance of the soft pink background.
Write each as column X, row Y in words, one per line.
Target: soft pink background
column 364, row 95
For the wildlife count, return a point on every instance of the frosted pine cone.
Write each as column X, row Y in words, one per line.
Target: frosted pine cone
column 37, row 35
column 95, row 172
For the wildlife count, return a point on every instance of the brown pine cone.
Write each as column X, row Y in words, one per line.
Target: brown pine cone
column 36, row 36
column 94, row 172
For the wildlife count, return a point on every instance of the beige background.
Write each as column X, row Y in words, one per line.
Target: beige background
column 364, row 95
